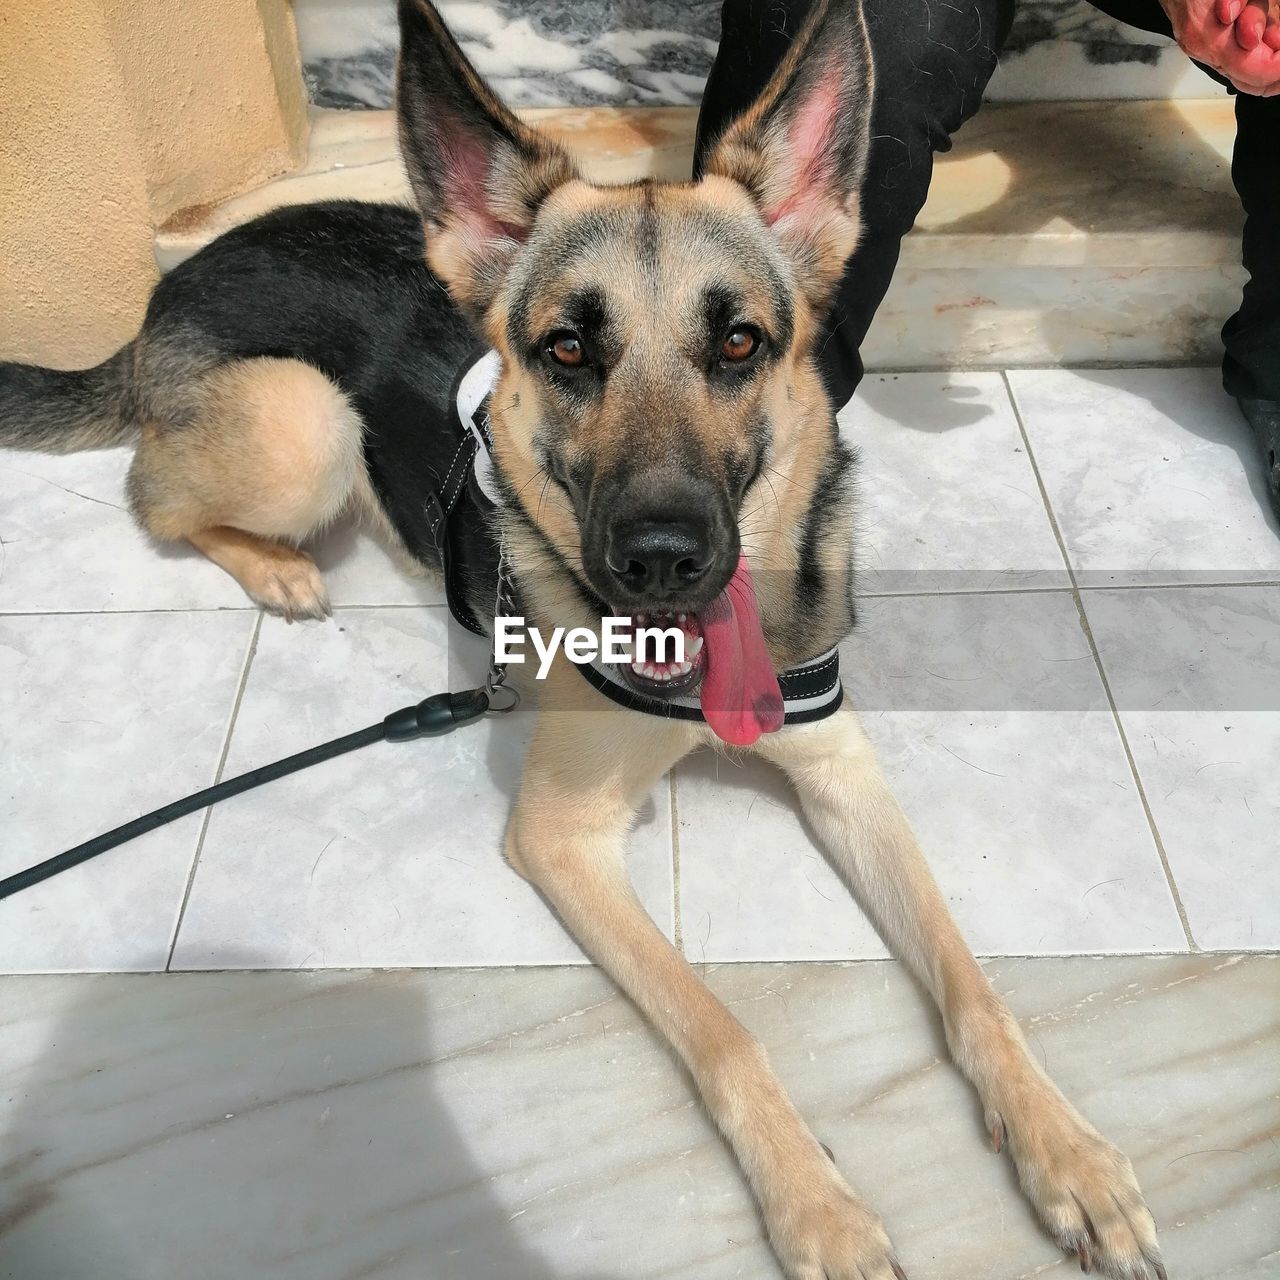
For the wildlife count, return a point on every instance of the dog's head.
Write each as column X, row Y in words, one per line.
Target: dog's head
column 658, row 396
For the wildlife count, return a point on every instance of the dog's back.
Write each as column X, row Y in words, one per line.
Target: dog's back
column 341, row 286
column 296, row 365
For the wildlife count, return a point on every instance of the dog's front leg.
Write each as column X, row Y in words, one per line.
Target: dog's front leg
column 589, row 765
column 1082, row 1187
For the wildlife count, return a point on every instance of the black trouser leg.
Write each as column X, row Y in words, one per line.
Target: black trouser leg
column 932, row 64
column 1251, row 366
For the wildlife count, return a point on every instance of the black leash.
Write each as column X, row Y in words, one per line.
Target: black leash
column 434, row 716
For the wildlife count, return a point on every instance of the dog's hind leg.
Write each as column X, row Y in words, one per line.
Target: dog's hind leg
column 589, row 764
column 270, row 454
column 1082, row 1187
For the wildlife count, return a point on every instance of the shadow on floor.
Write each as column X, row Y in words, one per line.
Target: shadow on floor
column 267, row 1125
column 954, row 402
column 1207, row 412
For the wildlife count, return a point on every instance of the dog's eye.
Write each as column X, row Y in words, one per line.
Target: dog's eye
column 566, row 348
column 740, row 344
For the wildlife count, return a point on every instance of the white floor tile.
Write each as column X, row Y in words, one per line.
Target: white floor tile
column 993, row 729
column 102, row 718
column 1153, row 475
column 359, row 570
column 1196, row 678
column 68, row 543
column 390, row 856
column 947, row 498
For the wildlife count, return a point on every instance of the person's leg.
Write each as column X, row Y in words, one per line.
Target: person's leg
column 1251, row 367
column 1251, row 363
column 932, row 65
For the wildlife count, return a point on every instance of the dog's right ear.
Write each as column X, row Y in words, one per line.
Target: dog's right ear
column 801, row 148
column 478, row 173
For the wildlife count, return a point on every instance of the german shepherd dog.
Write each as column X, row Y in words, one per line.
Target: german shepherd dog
column 658, row 426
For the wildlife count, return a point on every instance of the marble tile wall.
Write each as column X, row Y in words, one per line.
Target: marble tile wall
column 658, row 52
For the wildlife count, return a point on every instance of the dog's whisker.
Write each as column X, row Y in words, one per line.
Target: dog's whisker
column 541, row 471
column 782, row 475
column 765, row 477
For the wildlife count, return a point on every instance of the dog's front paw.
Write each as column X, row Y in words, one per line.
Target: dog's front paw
column 1084, row 1190
column 827, row 1233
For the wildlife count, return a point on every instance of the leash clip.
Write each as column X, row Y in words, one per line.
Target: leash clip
column 503, row 699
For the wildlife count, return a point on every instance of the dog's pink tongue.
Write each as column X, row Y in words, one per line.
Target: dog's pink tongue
column 740, row 694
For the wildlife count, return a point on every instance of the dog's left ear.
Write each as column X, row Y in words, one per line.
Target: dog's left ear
column 801, row 148
column 479, row 175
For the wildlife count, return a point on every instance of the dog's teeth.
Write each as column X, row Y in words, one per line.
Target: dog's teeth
column 680, row 617
column 665, row 672
column 693, row 647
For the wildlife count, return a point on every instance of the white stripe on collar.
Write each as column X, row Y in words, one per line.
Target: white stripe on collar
column 475, row 388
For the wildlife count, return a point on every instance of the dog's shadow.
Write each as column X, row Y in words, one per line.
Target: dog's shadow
column 953, row 401
column 280, row 1126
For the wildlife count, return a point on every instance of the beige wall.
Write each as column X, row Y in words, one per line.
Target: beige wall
column 114, row 115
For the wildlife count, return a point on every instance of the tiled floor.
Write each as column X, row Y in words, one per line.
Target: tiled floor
column 1069, row 661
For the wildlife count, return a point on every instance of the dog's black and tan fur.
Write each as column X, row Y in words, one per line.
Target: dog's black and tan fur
column 303, row 364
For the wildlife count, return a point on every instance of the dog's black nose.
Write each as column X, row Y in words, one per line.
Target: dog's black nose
column 658, row 558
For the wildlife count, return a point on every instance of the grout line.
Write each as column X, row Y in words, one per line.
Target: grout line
column 1044, row 492
column 217, row 777
column 1214, row 585
column 977, row 591
column 1179, row 586
column 122, row 613
column 1047, row 957
column 678, row 922
column 1039, row 366
column 1102, row 676
column 1137, row 778
column 130, row 613
column 348, row 608
column 1063, row 590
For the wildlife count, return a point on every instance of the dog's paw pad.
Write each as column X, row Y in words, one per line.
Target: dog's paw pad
column 292, row 589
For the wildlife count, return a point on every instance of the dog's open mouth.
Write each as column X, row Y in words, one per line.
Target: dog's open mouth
column 725, row 658
column 659, row 671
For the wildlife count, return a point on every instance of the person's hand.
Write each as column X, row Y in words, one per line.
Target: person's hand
column 1240, row 39
column 1254, row 22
